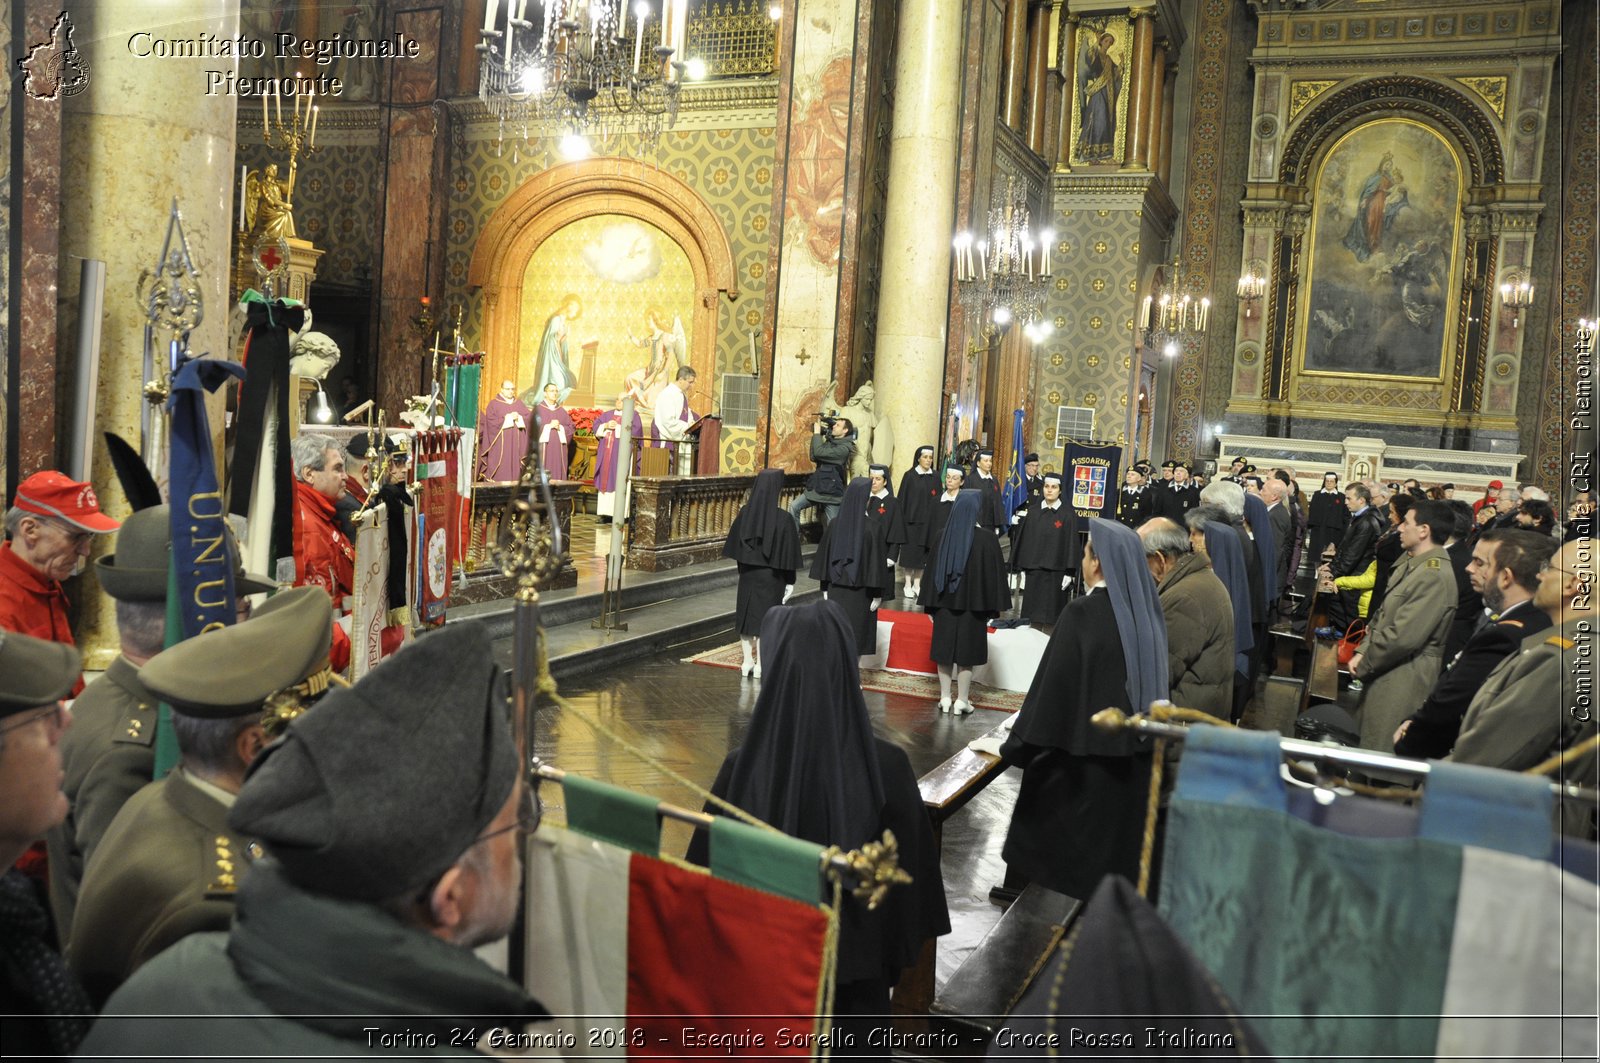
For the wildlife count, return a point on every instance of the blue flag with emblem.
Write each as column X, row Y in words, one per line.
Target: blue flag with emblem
column 200, row 557
column 1016, row 495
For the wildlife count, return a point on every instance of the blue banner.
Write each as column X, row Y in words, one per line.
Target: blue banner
column 1016, row 495
column 1089, row 472
column 200, row 555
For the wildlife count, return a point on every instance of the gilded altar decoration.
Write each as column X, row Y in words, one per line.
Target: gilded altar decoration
column 1302, row 93
column 1492, row 90
column 1385, row 258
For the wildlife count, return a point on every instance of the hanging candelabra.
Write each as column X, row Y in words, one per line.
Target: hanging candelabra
column 1172, row 313
column 583, row 68
column 1516, row 295
column 1003, row 274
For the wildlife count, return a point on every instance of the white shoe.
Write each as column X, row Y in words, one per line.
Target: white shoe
column 960, row 708
column 944, row 704
column 746, row 668
column 757, row 672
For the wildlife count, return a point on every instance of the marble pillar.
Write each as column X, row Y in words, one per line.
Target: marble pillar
column 141, row 132
column 1069, row 60
column 1158, row 93
column 1168, row 105
column 1142, row 89
column 918, row 224
column 39, row 184
column 1038, row 74
column 1015, row 63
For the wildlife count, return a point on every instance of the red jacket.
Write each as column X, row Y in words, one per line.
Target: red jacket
column 323, row 557
column 31, row 604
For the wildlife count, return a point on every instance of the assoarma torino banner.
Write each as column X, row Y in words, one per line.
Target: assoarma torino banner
column 1091, row 478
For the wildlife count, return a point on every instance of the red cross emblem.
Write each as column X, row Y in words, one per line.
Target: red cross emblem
column 270, row 258
column 881, row 510
column 1058, row 524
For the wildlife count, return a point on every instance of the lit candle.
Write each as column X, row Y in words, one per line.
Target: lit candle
column 664, row 20
column 638, row 34
column 1144, row 315
column 489, row 12
column 313, row 137
column 754, row 355
column 277, row 104
column 263, row 116
column 243, row 181
column 522, row 9
column 1205, row 313
column 983, row 258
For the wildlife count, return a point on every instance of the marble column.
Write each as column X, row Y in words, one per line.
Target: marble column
column 918, row 224
column 1038, row 74
column 1069, row 62
column 308, row 27
column 1139, row 100
column 1158, row 95
column 1168, row 106
column 1015, row 65
column 142, row 131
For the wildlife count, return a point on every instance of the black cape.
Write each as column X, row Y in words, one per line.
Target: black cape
column 878, row 551
column 1326, row 520
column 938, row 514
column 992, row 513
column 1123, row 972
column 763, row 532
column 1045, row 540
column 1081, row 806
column 913, row 511
column 983, row 587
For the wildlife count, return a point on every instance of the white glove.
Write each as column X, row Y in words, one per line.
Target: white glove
column 1016, row 518
column 824, row 595
column 889, row 561
column 873, row 607
column 788, row 590
column 1064, row 581
column 1022, row 581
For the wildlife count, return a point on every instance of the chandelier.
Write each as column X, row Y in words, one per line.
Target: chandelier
column 1173, row 313
column 1003, row 275
column 585, row 67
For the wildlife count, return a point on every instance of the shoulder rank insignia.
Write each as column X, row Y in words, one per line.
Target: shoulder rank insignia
column 1509, row 623
column 1557, row 640
column 225, row 881
column 138, row 727
column 1433, row 562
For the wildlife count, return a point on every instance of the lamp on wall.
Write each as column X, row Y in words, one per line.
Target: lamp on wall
column 1173, row 313
column 1516, row 295
column 1003, row 273
column 318, row 409
column 1252, row 285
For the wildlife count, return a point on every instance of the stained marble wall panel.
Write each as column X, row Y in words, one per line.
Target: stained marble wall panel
column 6, row 177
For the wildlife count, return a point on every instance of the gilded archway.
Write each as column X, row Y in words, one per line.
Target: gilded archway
column 561, row 195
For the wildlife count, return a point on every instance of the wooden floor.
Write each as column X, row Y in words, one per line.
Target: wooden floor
column 690, row 716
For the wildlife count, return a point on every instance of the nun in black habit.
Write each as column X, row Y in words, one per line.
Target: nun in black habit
column 954, row 477
column 880, row 552
column 966, row 589
column 849, row 564
column 913, row 512
column 811, row 766
column 1044, row 554
column 1081, row 807
column 766, row 544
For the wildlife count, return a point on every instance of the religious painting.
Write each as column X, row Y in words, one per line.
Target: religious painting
column 606, row 307
column 1099, row 90
column 816, row 161
column 1384, row 262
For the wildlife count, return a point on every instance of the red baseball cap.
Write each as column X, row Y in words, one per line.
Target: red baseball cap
column 54, row 494
column 1496, row 484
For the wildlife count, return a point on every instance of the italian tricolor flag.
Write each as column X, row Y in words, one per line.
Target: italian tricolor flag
column 645, row 959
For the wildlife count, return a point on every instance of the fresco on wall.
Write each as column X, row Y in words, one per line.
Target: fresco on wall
column 605, row 303
column 1099, row 101
column 1384, row 258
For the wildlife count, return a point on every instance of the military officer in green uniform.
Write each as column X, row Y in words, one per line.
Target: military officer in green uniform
column 1539, row 701
column 168, row 865
column 108, row 755
column 1404, row 649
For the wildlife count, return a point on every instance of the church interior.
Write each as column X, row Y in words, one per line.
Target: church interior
column 511, row 244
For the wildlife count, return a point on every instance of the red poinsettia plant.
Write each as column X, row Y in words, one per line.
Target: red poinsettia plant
column 583, row 419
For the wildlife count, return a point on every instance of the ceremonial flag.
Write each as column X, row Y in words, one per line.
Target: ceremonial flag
column 1016, row 495
column 461, row 392
column 200, row 554
column 641, row 958
column 1460, row 937
column 369, row 608
column 261, row 482
column 435, row 526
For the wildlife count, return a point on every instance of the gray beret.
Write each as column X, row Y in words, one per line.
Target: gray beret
column 380, row 787
column 232, row 671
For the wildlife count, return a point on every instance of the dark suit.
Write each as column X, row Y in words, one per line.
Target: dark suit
column 1172, row 500
column 1469, row 603
column 107, row 756
column 167, row 868
column 1434, row 727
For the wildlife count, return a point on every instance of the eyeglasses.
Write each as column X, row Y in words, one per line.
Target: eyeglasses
column 1548, row 565
column 76, row 536
column 56, row 714
column 530, row 810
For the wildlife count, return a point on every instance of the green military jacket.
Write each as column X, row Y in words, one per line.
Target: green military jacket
column 168, row 867
column 1404, row 648
column 107, row 755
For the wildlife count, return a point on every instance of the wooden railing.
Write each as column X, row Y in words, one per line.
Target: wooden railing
column 683, row 520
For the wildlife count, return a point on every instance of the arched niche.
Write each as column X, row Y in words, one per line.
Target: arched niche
column 555, row 198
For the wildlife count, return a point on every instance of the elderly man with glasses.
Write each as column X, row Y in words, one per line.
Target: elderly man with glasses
column 49, row 528
column 43, row 1011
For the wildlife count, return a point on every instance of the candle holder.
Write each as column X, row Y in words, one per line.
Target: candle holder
column 1003, row 275
column 1516, row 295
column 1172, row 314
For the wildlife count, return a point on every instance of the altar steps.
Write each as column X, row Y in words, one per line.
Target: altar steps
column 661, row 609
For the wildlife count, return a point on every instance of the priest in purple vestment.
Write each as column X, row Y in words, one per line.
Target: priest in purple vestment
column 608, row 435
column 555, row 432
column 505, row 435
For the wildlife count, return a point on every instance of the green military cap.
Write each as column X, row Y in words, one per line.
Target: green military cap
column 232, row 671
column 35, row 672
column 137, row 570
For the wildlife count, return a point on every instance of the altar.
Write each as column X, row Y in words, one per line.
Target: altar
column 1365, row 458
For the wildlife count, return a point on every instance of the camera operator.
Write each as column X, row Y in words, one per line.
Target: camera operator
column 831, row 450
